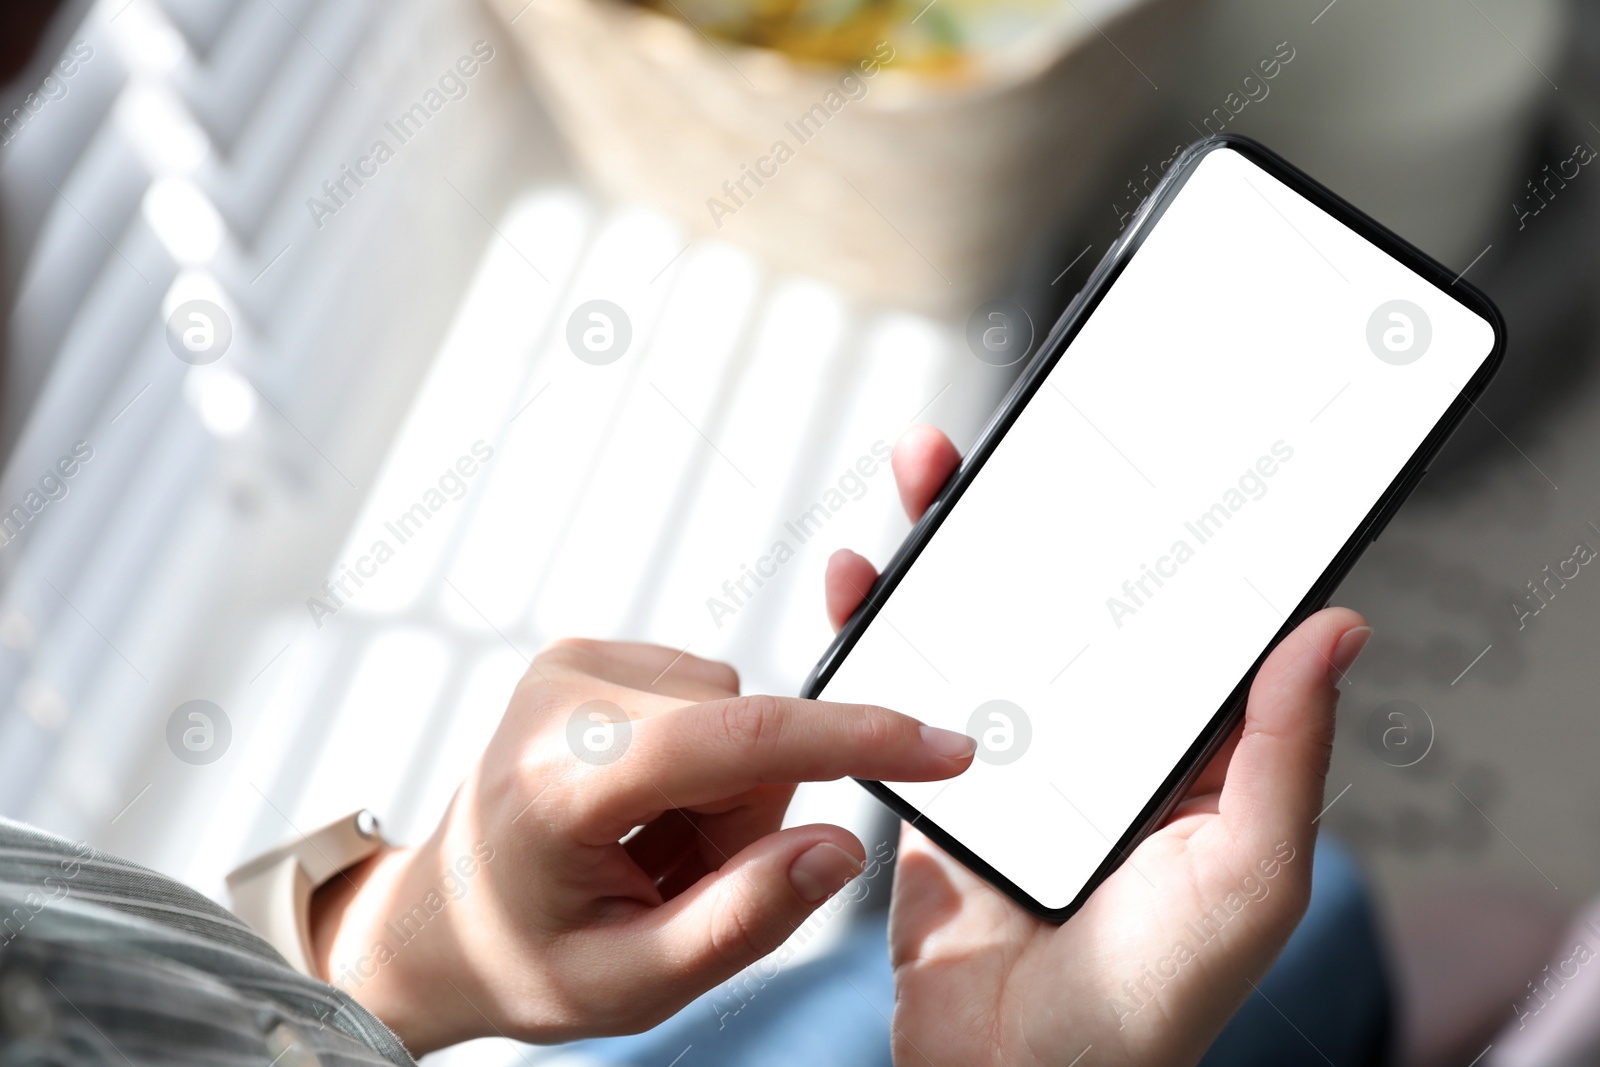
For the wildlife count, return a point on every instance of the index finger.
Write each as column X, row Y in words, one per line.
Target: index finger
column 702, row 753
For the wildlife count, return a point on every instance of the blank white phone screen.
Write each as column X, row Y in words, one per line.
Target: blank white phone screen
column 1244, row 394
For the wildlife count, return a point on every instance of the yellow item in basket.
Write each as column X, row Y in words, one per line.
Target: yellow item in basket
column 940, row 36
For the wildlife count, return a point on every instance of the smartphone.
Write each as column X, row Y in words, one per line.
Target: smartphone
column 1252, row 381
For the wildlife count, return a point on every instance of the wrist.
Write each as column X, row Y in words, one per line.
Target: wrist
column 376, row 935
column 335, row 916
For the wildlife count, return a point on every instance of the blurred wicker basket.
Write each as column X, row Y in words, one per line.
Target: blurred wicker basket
column 922, row 191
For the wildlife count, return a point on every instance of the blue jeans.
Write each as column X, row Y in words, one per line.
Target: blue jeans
column 1329, row 993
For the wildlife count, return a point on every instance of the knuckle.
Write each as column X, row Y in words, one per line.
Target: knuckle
column 736, row 930
column 532, row 689
column 517, row 789
column 754, row 723
column 874, row 729
column 535, row 707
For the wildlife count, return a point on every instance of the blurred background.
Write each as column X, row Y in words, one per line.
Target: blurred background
column 627, row 288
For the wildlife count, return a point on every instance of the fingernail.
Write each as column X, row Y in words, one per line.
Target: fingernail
column 1346, row 651
column 948, row 743
column 821, row 871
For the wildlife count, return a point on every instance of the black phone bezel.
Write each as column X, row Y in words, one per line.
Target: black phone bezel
column 1028, row 383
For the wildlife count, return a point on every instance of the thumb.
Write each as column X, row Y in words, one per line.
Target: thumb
column 743, row 911
column 1275, row 780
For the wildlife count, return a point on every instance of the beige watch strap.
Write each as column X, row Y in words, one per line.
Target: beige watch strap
column 272, row 893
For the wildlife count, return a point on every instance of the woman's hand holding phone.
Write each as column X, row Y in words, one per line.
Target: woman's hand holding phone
column 1170, row 945
column 560, row 929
